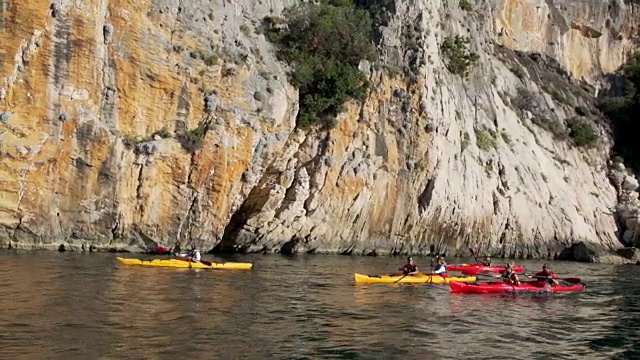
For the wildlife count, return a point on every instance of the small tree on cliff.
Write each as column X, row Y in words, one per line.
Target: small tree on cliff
column 324, row 44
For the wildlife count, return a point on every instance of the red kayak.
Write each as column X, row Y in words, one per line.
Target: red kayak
column 160, row 250
column 500, row 287
column 472, row 269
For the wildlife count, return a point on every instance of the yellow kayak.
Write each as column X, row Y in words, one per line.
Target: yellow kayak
column 410, row 279
column 176, row 263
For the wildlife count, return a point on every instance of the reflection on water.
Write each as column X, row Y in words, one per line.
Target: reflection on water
column 64, row 305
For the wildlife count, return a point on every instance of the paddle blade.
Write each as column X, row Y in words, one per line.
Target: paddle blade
column 573, row 280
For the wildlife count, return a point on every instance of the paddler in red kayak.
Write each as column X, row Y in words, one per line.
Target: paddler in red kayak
column 546, row 275
column 410, row 267
column 509, row 276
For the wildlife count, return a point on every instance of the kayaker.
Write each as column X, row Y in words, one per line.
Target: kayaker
column 410, row 267
column 509, row 276
column 546, row 275
column 193, row 255
column 486, row 261
column 176, row 247
column 441, row 267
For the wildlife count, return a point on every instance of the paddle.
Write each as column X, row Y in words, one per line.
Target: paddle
column 570, row 280
column 473, row 253
column 405, row 275
column 208, row 263
column 420, row 274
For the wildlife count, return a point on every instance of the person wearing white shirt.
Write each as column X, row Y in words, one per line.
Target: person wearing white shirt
column 441, row 267
column 194, row 255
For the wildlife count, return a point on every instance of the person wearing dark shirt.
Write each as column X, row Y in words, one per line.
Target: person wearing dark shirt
column 176, row 248
column 546, row 275
column 410, row 267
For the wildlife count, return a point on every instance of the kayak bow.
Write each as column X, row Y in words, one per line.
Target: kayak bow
column 409, row 279
column 185, row 264
column 501, row 287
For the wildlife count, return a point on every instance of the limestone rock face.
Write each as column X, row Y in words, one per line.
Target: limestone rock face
column 134, row 123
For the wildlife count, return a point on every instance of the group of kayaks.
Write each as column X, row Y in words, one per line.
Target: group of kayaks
column 468, row 284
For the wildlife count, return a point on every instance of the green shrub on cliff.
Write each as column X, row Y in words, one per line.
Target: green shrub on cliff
column 192, row 140
column 456, row 49
column 582, row 132
column 323, row 43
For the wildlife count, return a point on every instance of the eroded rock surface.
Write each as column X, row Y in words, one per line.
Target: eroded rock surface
column 126, row 124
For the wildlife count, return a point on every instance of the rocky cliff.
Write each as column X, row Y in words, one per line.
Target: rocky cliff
column 130, row 123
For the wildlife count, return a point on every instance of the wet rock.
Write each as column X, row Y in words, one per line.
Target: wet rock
column 630, row 253
column 258, row 96
column 290, row 247
column 578, row 252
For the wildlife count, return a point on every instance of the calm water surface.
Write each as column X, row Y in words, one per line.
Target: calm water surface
column 72, row 306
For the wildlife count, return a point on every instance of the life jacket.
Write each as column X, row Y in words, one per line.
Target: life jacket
column 507, row 276
column 545, row 274
column 408, row 268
